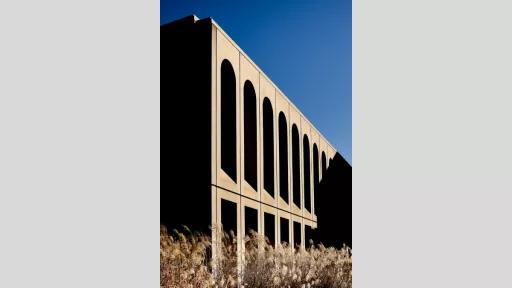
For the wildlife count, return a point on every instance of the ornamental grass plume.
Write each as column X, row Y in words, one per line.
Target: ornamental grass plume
column 185, row 261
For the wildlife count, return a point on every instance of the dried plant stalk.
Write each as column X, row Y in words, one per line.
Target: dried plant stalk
column 185, row 261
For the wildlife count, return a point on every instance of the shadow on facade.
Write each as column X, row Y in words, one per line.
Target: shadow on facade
column 185, row 187
column 334, row 204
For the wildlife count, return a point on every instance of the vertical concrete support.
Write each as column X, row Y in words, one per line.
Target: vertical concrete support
column 249, row 73
column 267, row 90
column 214, row 110
column 215, row 226
column 213, row 145
column 265, row 212
column 301, row 143
column 306, row 164
column 227, row 51
column 282, row 106
column 297, row 233
column 315, row 167
column 290, row 122
column 223, row 194
column 228, row 189
column 288, row 239
column 323, row 152
column 302, row 245
column 253, row 204
column 295, row 120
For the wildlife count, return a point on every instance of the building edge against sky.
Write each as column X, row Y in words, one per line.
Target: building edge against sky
column 253, row 186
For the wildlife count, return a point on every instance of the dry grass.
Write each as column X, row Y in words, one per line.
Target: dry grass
column 184, row 262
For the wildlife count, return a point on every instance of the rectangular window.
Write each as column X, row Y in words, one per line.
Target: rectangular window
column 308, row 234
column 228, row 216
column 251, row 220
column 296, row 234
column 270, row 227
column 285, row 228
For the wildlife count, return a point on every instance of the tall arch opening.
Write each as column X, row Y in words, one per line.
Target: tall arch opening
column 250, row 136
column 307, row 176
column 324, row 165
column 316, row 174
column 296, row 165
column 228, row 119
column 268, row 146
column 283, row 157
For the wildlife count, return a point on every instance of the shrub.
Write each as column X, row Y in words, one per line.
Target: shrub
column 185, row 262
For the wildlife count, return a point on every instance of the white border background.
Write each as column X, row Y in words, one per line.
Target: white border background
column 80, row 143
column 432, row 142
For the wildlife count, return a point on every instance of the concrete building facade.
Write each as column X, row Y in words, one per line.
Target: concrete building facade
column 257, row 162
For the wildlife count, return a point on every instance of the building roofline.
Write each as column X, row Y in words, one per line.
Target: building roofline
column 190, row 19
column 193, row 19
column 269, row 80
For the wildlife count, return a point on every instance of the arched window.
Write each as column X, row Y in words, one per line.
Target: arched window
column 296, row 165
column 316, row 176
column 228, row 119
column 268, row 147
column 324, row 165
column 250, row 156
column 307, row 177
column 283, row 157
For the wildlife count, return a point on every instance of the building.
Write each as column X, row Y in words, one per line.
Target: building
column 243, row 156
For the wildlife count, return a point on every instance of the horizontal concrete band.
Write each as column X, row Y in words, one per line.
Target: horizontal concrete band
column 249, row 198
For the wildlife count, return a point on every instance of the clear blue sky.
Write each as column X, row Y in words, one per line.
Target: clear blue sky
column 305, row 47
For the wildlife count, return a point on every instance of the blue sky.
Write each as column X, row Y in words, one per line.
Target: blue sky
column 305, row 47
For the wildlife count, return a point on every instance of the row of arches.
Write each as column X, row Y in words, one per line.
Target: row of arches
column 229, row 136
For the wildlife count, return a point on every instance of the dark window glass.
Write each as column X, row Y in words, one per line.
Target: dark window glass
column 283, row 157
column 308, row 234
column 250, row 156
column 324, row 165
column 285, row 228
column 228, row 120
column 270, row 227
column 228, row 216
column 307, row 176
column 296, row 234
column 268, row 147
column 251, row 220
column 296, row 165
column 316, row 174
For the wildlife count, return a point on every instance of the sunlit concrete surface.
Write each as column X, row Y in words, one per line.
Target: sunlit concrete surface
column 264, row 159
